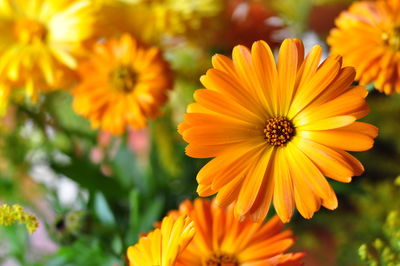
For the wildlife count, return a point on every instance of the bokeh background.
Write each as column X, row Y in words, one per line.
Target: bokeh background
column 94, row 193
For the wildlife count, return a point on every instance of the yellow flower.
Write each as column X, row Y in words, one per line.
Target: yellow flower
column 4, row 98
column 221, row 239
column 12, row 214
column 153, row 20
column 176, row 16
column 123, row 84
column 368, row 38
column 276, row 131
column 162, row 246
column 39, row 40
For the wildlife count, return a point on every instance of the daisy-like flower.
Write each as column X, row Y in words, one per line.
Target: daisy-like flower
column 223, row 240
column 123, row 84
column 39, row 41
column 368, row 38
column 162, row 246
column 276, row 131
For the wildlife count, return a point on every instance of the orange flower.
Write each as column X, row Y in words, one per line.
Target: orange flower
column 162, row 246
column 223, row 240
column 275, row 132
column 368, row 38
column 122, row 85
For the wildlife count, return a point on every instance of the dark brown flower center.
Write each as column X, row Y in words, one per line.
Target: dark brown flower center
column 221, row 260
column 124, row 79
column 278, row 131
column 28, row 30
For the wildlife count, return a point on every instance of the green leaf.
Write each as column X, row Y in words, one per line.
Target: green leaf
column 133, row 216
column 59, row 103
column 102, row 210
column 88, row 176
column 151, row 214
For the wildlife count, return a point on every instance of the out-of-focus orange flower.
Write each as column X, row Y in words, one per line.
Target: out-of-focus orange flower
column 368, row 38
column 221, row 239
column 39, row 42
column 276, row 131
column 123, row 84
column 163, row 245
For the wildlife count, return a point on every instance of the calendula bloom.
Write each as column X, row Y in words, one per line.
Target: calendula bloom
column 123, row 84
column 221, row 239
column 162, row 246
column 276, row 131
column 368, row 38
column 39, row 41
column 15, row 213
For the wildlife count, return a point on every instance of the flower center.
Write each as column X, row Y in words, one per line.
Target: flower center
column 392, row 38
column 278, row 131
column 28, row 30
column 221, row 260
column 124, row 79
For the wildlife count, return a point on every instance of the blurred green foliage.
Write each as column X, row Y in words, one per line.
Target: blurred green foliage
column 385, row 250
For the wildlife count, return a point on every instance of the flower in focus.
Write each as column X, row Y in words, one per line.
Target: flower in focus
column 40, row 40
column 223, row 240
column 163, row 245
column 276, row 131
column 368, row 38
column 123, row 84
column 15, row 213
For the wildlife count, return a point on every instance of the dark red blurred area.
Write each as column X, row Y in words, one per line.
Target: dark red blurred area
column 322, row 17
column 246, row 22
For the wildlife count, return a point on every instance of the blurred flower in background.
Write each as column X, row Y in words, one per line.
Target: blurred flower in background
column 368, row 38
column 39, row 44
column 123, row 84
column 154, row 21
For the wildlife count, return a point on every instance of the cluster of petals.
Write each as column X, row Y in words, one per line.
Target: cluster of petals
column 123, row 83
column 221, row 239
column 367, row 35
column 276, row 131
column 200, row 233
column 163, row 245
column 40, row 43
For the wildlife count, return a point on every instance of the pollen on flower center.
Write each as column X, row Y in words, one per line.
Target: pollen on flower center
column 124, row 79
column 221, row 260
column 28, row 30
column 278, row 131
